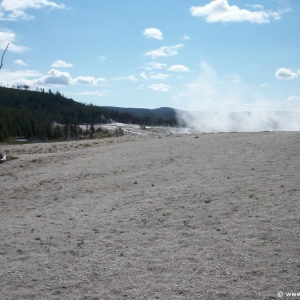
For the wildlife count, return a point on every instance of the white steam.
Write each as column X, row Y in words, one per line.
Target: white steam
column 240, row 121
column 227, row 104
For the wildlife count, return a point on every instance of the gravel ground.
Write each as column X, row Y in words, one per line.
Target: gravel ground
column 208, row 216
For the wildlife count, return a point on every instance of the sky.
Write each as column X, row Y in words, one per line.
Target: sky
column 196, row 55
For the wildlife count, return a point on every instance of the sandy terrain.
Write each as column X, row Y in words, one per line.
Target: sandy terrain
column 212, row 216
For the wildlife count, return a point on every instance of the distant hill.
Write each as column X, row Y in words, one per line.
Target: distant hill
column 163, row 112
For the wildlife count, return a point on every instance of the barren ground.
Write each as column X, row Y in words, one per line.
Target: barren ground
column 212, row 216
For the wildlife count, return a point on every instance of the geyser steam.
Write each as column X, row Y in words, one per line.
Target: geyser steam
column 240, row 121
column 225, row 103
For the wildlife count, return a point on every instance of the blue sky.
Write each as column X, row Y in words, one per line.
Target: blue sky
column 209, row 55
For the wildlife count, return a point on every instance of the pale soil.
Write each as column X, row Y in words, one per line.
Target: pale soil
column 176, row 217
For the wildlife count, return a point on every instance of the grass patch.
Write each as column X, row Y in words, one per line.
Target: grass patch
column 166, row 214
column 80, row 243
column 10, row 157
column 186, row 222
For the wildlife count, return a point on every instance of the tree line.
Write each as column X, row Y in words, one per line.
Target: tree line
column 48, row 115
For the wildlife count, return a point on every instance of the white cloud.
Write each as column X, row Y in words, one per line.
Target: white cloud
column 153, row 33
column 221, row 11
column 264, row 85
column 285, row 74
column 88, row 80
column 93, row 93
column 101, row 58
column 293, row 98
column 160, row 76
column 16, row 9
column 61, row 64
column 140, row 87
column 186, row 37
column 55, row 77
column 258, row 6
column 255, row 6
column 20, row 77
column 164, row 51
column 6, row 37
column 160, row 87
column 179, row 68
column 155, row 65
column 144, row 76
column 20, row 62
column 130, row 78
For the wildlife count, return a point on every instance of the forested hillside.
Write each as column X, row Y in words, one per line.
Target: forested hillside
column 162, row 112
column 33, row 113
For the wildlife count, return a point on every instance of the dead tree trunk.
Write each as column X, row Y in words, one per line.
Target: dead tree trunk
column 3, row 56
